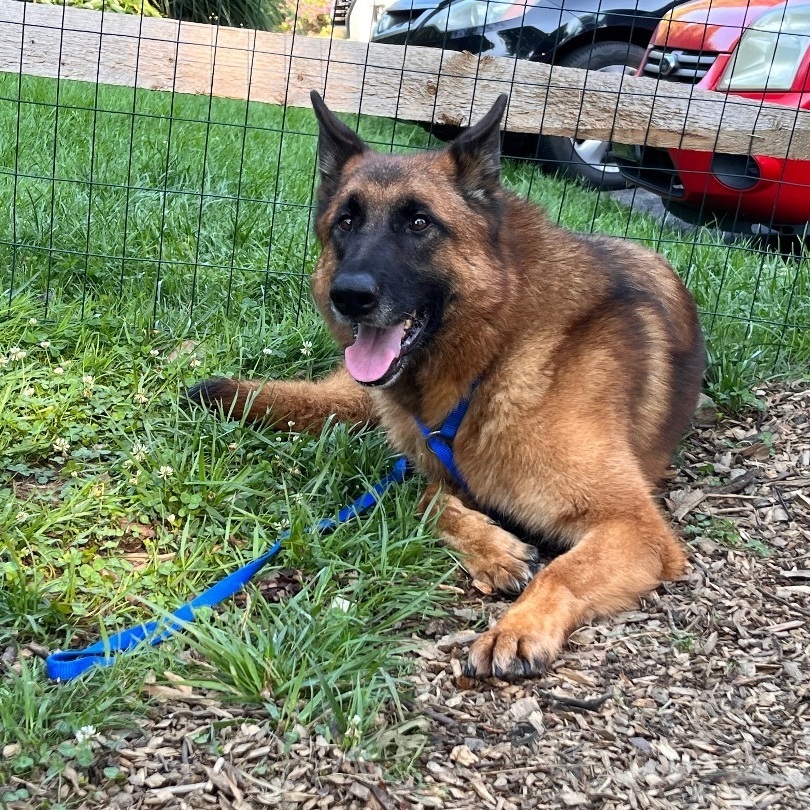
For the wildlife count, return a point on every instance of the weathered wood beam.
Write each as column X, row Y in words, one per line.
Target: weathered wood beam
column 420, row 84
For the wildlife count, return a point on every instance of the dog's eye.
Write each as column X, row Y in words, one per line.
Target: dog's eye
column 345, row 223
column 419, row 223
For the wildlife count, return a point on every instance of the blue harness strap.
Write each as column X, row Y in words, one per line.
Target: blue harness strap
column 440, row 442
column 66, row 665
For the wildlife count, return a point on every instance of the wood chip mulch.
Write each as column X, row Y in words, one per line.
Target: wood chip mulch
column 697, row 700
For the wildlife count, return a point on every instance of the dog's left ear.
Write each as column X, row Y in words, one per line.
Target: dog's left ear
column 336, row 144
column 477, row 153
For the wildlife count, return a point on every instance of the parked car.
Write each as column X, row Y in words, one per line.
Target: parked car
column 360, row 16
column 606, row 35
column 758, row 49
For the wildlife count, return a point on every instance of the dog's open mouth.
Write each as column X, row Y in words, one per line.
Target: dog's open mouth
column 378, row 353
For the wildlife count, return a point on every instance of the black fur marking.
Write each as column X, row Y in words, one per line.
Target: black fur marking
column 477, row 155
column 211, row 392
column 337, row 143
column 398, row 260
column 542, row 545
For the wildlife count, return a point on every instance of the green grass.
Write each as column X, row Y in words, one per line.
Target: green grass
column 118, row 502
column 141, row 223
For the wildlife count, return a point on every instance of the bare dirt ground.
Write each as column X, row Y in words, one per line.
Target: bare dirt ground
column 698, row 699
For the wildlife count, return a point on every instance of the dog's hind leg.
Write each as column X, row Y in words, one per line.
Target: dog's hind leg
column 277, row 402
column 617, row 560
column 489, row 554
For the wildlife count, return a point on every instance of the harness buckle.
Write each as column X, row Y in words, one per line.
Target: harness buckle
column 439, row 445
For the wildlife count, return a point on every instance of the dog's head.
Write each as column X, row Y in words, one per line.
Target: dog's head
column 404, row 239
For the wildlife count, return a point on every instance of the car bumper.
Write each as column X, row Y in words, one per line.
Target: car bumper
column 727, row 188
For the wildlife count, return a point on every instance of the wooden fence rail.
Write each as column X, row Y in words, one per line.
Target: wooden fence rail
column 420, row 84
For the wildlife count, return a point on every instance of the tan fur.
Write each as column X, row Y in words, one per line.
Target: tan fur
column 583, row 393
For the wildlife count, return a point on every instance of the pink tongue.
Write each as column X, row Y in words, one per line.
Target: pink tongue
column 373, row 351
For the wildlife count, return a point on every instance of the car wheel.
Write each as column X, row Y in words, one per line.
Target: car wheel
column 588, row 159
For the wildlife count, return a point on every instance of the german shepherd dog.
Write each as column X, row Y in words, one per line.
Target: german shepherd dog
column 587, row 354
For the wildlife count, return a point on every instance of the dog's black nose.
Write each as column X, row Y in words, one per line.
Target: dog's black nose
column 354, row 294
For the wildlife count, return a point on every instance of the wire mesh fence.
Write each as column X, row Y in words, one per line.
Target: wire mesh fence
column 164, row 174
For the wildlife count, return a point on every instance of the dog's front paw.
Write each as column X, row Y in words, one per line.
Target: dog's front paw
column 508, row 565
column 521, row 645
column 489, row 554
column 213, row 392
column 230, row 398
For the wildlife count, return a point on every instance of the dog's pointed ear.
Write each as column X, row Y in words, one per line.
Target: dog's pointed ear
column 336, row 143
column 477, row 153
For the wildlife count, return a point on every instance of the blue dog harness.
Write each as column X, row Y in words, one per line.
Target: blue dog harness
column 440, row 442
column 68, row 664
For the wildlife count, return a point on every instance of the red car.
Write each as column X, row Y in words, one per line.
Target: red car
column 759, row 49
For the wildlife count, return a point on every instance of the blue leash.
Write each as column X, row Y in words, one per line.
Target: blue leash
column 66, row 665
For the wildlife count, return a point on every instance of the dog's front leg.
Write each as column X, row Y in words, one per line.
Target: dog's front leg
column 619, row 558
column 489, row 554
column 278, row 402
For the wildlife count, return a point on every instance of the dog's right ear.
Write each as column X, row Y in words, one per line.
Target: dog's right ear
column 336, row 144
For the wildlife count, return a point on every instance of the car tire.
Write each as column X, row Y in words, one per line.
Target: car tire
column 587, row 160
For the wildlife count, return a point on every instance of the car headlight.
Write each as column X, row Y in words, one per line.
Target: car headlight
column 385, row 22
column 462, row 14
column 770, row 51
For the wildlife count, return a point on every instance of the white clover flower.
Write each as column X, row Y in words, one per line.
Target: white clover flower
column 85, row 733
column 58, row 371
column 134, row 479
column 61, row 445
column 3, row 361
column 139, row 450
column 233, row 446
column 89, row 380
column 306, row 349
column 195, row 362
column 165, row 472
column 291, row 424
column 28, row 392
column 353, row 733
column 140, row 398
column 154, row 352
column 45, row 344
column 16, row 353
column 22, row 517
column 267, row 350
column 32, row 321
